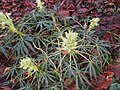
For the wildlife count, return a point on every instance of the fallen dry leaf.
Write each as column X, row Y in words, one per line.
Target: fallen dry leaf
column 73, row 87
column 82, row 10
column 63, row 13
column 118, row 60
column 62, row 51
column 13, row 80
column 4, row 69
column 2, row 35
column 68, row 82
column 4, row 88
column 17, row 8
column 114, row 68
column 117, row 19
column 103, row 81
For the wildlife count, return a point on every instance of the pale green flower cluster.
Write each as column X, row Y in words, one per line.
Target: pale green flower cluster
column 6, row 22
column 28, row 65
column 69, row 41
column 93, row 23
column 40, row 4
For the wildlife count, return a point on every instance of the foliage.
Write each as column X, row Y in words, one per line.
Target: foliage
column 60, row 51
column 114, row 86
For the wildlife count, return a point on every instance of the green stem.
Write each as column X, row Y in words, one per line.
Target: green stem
column 55, row 24
column 83, row 56
column 77, row 22
column 70, row 61
column 61, row 60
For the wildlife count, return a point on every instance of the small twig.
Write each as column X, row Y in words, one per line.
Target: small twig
column 36, row 47
column 44, row 54
column 78, row 3
column 77, row 22
column 3, row 35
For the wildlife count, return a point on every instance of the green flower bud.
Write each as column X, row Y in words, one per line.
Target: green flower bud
column 40, row 4
column 93, row 23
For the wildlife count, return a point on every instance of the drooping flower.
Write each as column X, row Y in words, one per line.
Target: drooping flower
column 93, row 23
column 28, row 65
column 69, row 42
column 40, row 4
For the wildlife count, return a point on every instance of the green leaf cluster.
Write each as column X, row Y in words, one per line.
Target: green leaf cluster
column 42, row 52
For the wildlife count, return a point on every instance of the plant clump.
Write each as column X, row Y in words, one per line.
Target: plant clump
column 78, row 59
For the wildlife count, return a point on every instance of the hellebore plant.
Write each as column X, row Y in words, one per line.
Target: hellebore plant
column 68, row 46
column 74, row 58
column 69, row 42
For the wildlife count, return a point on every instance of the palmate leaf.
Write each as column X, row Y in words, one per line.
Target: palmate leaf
column 37, row 42
column 91, row 70
column 44, row 23
column 83, row 79
column 37, row 21
column 29, row 45
column 101, row 47
column 28, row 38
column 23, row 46
column 114, row 86
column 22, row 49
